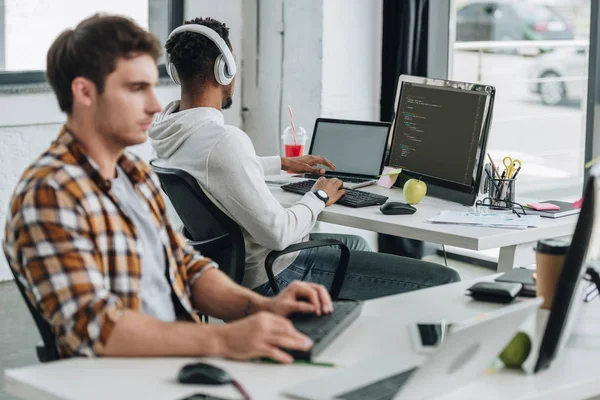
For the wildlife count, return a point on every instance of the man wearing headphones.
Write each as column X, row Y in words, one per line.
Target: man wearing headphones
column 191, row 135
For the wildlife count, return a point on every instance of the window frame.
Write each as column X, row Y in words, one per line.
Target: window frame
column 175, row 19
column 592, row 131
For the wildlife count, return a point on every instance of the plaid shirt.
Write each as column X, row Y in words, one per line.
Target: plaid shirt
column 77, row 253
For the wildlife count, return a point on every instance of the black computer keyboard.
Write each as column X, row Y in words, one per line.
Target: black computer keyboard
column 325, row 328
column 352, row 198
column 348, row 179
column 384, row 389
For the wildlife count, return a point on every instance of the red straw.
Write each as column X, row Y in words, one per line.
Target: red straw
column 293, row 125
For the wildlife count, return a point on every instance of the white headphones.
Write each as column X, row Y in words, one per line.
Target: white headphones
column 225, row 68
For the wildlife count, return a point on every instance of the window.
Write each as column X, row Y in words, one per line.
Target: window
column 538, row 13
column 537, row 60
column 28, row 28
column 470, row 11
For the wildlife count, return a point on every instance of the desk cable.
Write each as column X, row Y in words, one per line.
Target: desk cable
column 236, row 384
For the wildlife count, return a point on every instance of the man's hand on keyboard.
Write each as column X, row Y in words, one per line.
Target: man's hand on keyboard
column 260, row 335
column 333, row 187
column 306, row 164
column 301, row 297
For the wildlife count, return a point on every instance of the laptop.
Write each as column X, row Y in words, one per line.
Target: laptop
column 467, row 350
column 357, row 148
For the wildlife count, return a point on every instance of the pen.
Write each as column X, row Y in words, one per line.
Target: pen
column 493, row 165
column 516, row 172
column 305, row 362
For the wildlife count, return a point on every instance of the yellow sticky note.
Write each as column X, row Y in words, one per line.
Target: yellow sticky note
column 389, row 176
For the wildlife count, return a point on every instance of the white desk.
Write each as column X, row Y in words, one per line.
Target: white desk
column 575, row 375
column 515, row 245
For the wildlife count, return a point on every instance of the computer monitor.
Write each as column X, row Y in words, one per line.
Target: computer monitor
column 439, row 135
column 571, row 286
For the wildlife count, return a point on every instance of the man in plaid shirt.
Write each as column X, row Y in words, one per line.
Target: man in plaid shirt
column 88, row 234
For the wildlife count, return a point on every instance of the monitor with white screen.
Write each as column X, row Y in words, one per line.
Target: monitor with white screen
column 356, row 148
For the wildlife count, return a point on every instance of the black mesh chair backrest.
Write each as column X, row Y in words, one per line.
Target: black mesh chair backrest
column 48, row 351
column 210, row 230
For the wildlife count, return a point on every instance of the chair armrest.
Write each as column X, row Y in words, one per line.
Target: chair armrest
column 44, row 354
column 211, row 245
column 340, row 271
column 207, row 246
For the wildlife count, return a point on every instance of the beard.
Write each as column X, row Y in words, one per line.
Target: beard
column 227, row 96
column 227, row 102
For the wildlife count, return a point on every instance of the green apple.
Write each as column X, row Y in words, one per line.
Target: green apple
column 516, row 352
column 414, row 190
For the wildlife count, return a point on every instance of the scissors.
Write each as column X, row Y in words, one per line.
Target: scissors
column 511, row 166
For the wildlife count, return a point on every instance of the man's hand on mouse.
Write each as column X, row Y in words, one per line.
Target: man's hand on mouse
column 334, row 188
column 306, row 163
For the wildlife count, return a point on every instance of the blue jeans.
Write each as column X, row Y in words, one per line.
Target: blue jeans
column 369, row 275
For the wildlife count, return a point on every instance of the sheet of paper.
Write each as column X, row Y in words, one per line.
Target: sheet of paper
column 511, row 221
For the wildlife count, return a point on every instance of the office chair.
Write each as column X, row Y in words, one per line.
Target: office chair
column 46, row 351
column 214, row 234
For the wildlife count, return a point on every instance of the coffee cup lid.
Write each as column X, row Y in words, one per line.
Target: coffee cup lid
column 552, row 246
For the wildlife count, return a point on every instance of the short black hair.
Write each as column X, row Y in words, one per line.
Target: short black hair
column 194, row 55
column 92, row 49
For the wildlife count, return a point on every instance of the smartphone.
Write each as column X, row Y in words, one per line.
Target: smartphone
column 428, row 336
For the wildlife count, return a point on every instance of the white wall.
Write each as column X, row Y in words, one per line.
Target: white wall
column 351, row 59
column 261, row 89
column 303, row 48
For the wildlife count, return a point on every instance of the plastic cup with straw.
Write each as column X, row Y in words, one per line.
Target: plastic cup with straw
column 293, row 139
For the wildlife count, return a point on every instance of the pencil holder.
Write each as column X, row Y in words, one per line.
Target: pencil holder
column 501, row 192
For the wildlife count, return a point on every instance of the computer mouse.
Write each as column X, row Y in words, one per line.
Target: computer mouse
column 397, row 208
column 203, row 374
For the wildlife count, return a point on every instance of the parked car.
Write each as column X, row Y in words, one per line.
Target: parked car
column 565, row 71
column 498, row 20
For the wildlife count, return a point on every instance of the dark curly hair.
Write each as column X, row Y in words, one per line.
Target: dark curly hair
column 194, row 55
column 91, row 50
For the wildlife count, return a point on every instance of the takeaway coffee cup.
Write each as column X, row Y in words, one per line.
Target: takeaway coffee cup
column 549, row 258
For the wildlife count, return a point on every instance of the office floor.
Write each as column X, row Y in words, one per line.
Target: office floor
column 18, row 334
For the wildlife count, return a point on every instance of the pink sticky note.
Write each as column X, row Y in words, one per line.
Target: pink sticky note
column 544, row 206
column 578, row 203
column 387, row 181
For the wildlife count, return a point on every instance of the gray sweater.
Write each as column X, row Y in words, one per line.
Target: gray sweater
column 223, row 160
